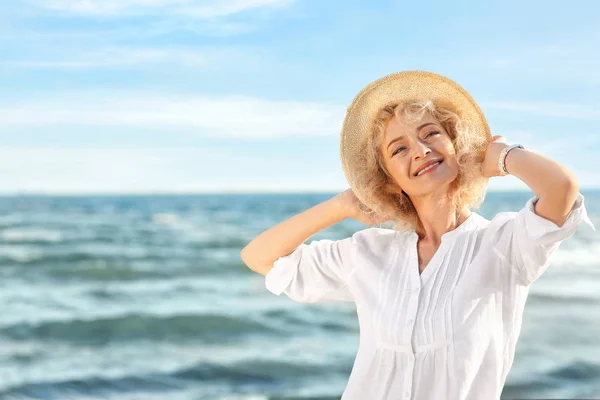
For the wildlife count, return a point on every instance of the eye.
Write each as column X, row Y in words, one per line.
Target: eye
column 398, row 150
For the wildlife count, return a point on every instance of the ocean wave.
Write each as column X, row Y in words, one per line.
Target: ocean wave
column 34, row 235
column 248, row 373
column 578, row 371
column 561, row 299
column 208, row 328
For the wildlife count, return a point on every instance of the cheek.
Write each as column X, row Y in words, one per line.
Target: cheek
column 448, row 146
column 452, row 165
column 448, row 149
column 399, row 168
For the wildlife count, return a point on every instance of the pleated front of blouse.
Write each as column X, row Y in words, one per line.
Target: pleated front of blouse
column 412, row 324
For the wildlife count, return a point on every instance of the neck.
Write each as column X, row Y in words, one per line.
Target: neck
column 437, row 217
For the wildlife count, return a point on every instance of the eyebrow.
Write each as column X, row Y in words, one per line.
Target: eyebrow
column 402, row 136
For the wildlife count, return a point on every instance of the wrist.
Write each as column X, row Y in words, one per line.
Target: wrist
column 509, row 160
column 502, row 160
column 338, row 207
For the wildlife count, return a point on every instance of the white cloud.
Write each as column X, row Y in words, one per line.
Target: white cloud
column 123, row 57
column 199, row 169
column 565, row 58
column 238, row 116
column 76, row 170
column 562, row 148
column 196, row 8
column 573, row 111
column 222, row 8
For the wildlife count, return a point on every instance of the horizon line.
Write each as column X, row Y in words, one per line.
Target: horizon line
column 227, row 192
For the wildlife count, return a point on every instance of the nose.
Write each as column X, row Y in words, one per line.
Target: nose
column 420, row 149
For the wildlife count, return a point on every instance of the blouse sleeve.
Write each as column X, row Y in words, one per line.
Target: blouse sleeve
column 315, row 272
column 527, row 241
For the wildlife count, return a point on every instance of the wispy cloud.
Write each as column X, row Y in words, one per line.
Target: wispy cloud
column 551, row 109
column 196, row 8
column 141, row 30
column 221, row 8
column 196, row 169
column 568, row 58
column 140, row 58
column 235, row 116
column 61, row 170
column 557, row 146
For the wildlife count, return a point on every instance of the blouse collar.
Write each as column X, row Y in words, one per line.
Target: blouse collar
column 471, row 223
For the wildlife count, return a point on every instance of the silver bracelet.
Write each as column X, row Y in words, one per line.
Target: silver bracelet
column 502, row 159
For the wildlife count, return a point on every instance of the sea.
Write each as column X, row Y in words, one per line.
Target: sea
column 146, row 297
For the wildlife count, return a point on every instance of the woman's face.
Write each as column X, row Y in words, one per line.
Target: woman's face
column 408, row 146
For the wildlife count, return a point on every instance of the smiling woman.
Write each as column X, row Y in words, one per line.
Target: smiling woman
column 386, row 173
column 441, row 303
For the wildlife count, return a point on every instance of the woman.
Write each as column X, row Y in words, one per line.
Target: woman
column 440, row 296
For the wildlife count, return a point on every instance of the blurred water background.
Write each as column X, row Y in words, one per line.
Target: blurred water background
column 146, row 297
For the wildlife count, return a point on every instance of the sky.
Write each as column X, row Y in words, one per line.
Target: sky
column 233, row 96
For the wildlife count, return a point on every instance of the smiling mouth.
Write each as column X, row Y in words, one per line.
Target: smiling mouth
column 433, row 166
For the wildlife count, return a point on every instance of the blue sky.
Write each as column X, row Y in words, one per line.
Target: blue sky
column 124, row 96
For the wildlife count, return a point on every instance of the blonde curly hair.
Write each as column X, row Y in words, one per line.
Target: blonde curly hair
column 382, row 193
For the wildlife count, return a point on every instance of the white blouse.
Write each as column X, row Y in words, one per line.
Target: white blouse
column 447, row 333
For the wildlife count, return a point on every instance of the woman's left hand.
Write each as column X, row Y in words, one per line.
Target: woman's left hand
column 490, row 168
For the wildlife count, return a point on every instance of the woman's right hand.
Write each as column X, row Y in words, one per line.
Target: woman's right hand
column 350, row 206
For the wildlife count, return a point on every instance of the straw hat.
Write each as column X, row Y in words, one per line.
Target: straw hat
column 397, row 88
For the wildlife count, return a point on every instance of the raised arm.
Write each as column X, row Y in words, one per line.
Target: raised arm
column 282, row 239
column 553, row 184
column 526, row 240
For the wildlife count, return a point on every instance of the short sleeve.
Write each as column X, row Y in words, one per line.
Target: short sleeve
column 315, row 272
column 527, row 241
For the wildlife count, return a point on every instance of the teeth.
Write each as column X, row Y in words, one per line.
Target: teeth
column 431, row 166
